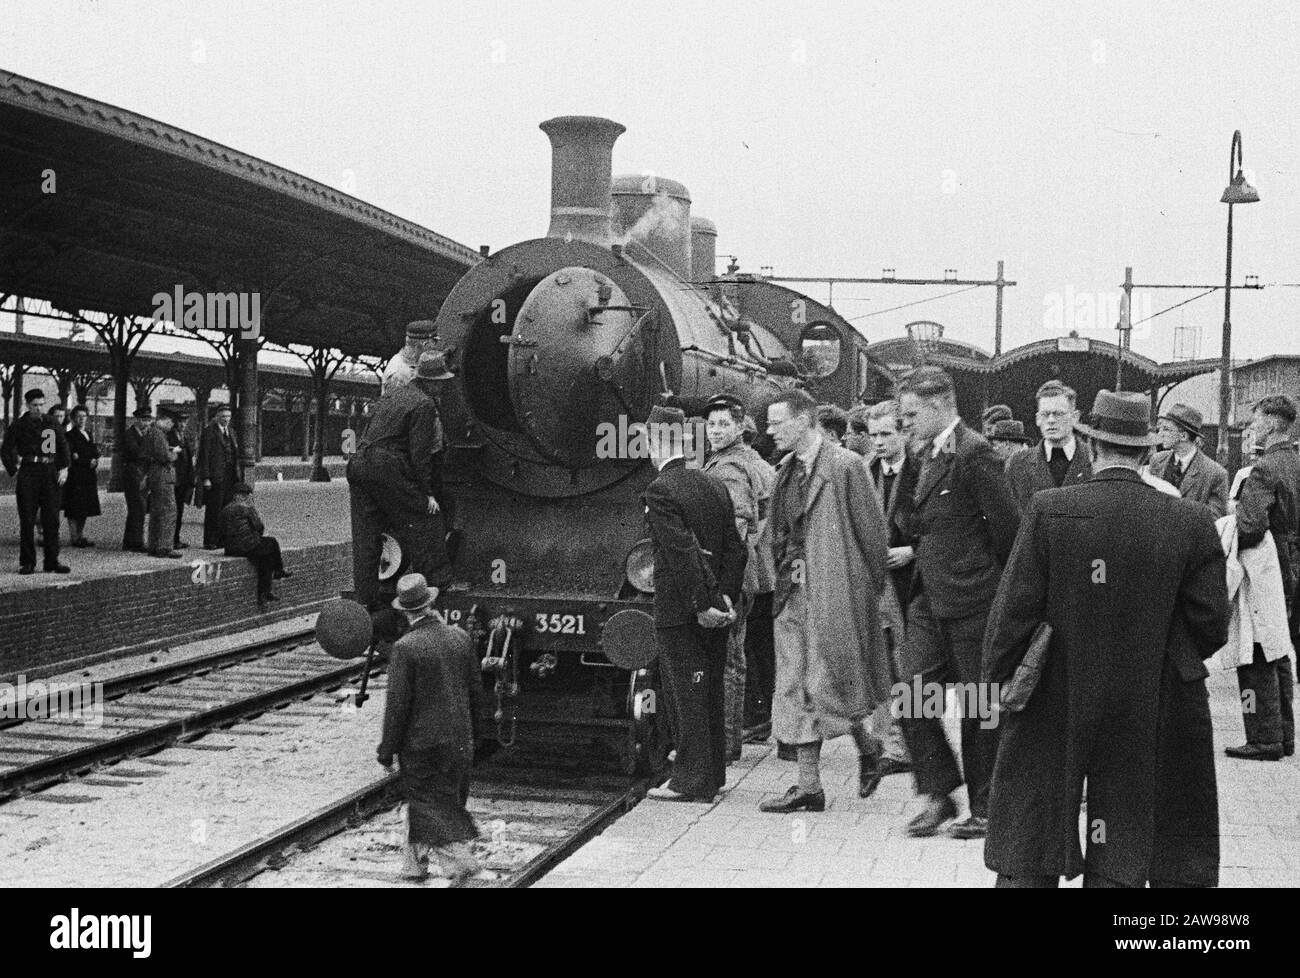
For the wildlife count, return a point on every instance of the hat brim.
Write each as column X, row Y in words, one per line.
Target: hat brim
column 397, row 604
column 448, row 375
column 1182, row 424
column 1130, row 441
column 1018, row 439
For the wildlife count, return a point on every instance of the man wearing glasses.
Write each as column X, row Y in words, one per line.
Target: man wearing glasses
column 1059, row 459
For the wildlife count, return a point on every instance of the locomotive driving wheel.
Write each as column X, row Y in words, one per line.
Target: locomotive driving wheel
column 647, row 736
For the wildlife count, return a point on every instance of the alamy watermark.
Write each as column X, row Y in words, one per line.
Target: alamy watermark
column 50, row 699
column 928, row 701
column 225, row 312
column 634, row 440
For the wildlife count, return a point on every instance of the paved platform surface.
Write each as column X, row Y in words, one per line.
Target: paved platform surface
column 298, row 513
column 861, row 843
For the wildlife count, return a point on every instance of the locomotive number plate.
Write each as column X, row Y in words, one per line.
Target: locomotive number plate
column 560, row 624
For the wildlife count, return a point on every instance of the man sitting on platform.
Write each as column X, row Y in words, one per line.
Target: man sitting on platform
column 241, row 528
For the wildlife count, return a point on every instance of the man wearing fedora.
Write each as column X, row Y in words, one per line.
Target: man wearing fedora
column 1183, row 465
column 1059, row 459
column 1008, row 438
column 991, row 416
column 434, row 695
column 135, row 470
column 699, row 566
column 220, row 466
column 391, row 483
column 1270, row 503
column 1131, row 582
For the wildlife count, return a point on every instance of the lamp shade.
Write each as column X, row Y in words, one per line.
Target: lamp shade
column 1239, row 191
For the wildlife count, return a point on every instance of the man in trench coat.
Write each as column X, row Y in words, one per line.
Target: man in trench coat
column 829, row 542
column 1131, row 580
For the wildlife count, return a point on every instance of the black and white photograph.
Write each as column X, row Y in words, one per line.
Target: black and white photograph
column 680, row 445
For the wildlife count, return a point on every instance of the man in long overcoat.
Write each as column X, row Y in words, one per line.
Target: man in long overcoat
column 829, row 542
column 1131, row 581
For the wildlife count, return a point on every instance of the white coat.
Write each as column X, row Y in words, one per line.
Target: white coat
column 1254, row 580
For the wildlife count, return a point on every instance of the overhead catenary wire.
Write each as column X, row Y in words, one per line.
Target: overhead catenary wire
column 915, row 302
column 1200, row 295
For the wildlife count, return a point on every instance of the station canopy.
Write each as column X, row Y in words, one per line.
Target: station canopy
column 139, row 207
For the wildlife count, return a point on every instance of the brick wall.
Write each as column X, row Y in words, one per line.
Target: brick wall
column 51, row 629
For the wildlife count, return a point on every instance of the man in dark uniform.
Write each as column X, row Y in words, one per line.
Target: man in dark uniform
column 1270, row 503
column 135, row 469
column 699, row 566
column 1131, row 581
column 36, row 450
column 390, row 485
column 965, row 522
column 220, row 467
column 160, row 482
column 178, row 437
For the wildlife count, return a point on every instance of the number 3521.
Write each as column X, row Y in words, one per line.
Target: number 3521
column 562, row 624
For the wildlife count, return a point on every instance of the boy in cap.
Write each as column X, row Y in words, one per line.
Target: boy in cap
column 160, row 483
column 241, row 528
column 434, row 694
column 135, row 469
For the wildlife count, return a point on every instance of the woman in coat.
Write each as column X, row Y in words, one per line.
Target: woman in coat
column 81, row 493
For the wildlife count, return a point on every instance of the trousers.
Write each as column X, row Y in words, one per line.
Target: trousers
column 1268, row 700
column 133, row 491
column 267, row 562
column 36, row 491
column 162, row 509
column 691, row 662
column 954, row 644
column 733, row 680
column 216, row 497
column 384, row 497
column 760, row 661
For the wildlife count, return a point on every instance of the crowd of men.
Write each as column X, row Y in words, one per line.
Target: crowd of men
column 1095, row 572
column 55, row 462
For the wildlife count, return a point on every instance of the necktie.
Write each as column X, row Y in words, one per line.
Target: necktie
column 1058, row 464
column 1174, row 474
column 887, row 490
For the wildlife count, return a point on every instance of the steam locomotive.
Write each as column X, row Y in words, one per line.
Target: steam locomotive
column 555, row 340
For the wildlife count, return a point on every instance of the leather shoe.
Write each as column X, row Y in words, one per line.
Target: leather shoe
column 937, row 811
column 281, row 575
column 757, row 734
column 167, row 554
column 971, row 827
column 1255, row 752
column 888, row 766
column 795, row 800
column 26, row 570
column 665, row 793
column 869, row 776
column 59, row 569
column 1288, row 750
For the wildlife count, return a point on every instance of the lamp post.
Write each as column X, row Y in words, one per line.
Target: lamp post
column 1238, row 192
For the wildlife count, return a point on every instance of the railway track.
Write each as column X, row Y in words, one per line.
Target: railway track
column 150, row 709
column 529, row 825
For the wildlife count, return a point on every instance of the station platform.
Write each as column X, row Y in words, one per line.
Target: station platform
column 277, row 468
column 116, row 603
column 861, row 842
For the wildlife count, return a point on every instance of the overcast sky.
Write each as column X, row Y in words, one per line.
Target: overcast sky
column 838, row 138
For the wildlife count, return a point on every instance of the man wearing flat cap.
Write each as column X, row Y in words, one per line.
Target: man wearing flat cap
column 35, row 452
column 1183, row 465
column 391, row 483
column 434, row 695
column 993, row 415
column 135, row 469
column 699, row 566
column 1131, row 582
column 1008, row 438
column 245, row 536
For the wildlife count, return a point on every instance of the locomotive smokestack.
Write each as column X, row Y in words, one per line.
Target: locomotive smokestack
column 581, row 151
column 704, row 245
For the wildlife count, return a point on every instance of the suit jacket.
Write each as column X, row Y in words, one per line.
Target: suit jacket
column 690, row 512
column 1205, row 481
column 964, row 524
column 158, row 455
column 1132, row 582
column 241, row 528
column 434, row 691
column 184, row 462
column 133, row 454
column 898, row 516
column 1027, row 472
column 219, row 458
column 1270, row 501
